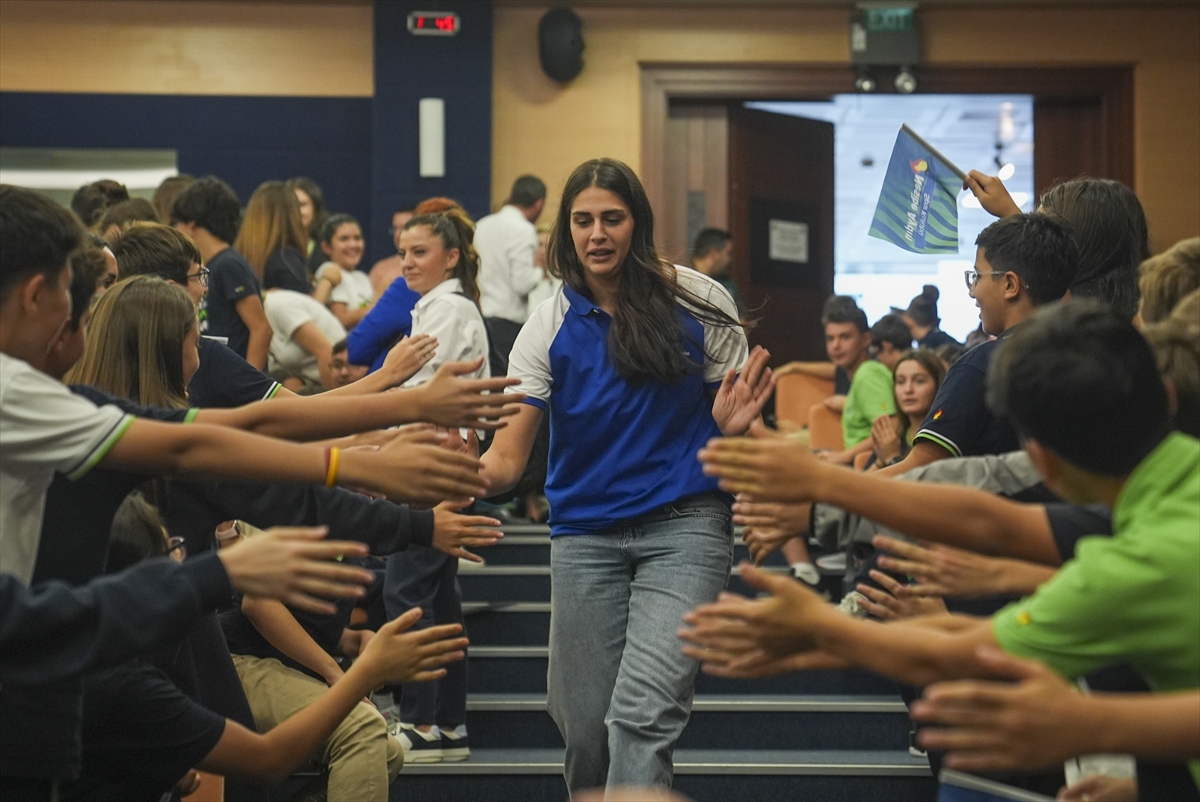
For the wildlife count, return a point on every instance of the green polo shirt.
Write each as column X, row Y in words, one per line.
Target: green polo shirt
column 1133, row 597
column 870, row 396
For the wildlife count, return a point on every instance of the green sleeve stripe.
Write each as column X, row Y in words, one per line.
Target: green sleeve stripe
column 944, row 442
column 191, row 415
column 271, row 393
column 101, row 451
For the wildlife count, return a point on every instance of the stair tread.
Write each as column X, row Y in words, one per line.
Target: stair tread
column 773, row 703
column 697, row 761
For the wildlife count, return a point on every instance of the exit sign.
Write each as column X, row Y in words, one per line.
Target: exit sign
column 433, row 23
column 888, row 20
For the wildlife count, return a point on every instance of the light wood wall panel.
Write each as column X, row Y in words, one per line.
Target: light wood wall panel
column 548, row 129
column 187, row 48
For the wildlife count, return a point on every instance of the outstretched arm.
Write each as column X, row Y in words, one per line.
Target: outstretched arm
column 446, row 400
column 774, row 468
column 794, row 619
column 392, row 656
column 1042, row 719
column 505, row 460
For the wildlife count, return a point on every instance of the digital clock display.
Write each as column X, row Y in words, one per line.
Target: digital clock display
column 433, row 23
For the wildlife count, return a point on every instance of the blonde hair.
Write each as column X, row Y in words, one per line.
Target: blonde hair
column 272, row 221
column 1166, row 278
column 135, row 343
column 1176, row 344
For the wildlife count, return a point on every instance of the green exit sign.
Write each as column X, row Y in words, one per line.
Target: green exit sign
column 888, row 20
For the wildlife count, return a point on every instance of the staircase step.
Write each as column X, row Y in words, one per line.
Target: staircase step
column 735, row 723
column 522, row 669
column 534, row 775
column 508, row 623
column 790, row 703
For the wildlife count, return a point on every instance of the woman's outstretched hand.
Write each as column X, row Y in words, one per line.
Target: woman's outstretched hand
column 741, row 397
column 768, row 466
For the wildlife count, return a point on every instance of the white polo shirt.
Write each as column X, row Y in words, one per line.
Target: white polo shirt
column 44, row 429
column 287, row 311
column 620, row 450
column 354, row 290
column 507, row 245
column 455, row 322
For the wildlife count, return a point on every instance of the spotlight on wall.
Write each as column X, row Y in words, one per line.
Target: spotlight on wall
column 906, row 82
column 431, row 128
column 864, row 82
column 1006, row 172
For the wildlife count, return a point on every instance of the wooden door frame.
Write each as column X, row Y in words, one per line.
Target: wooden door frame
column 662, row 82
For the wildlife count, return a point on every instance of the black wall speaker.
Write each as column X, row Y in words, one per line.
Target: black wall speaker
column 560, row 44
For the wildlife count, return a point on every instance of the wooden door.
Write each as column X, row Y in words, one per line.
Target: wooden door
column 781, row 219
column 695, row 178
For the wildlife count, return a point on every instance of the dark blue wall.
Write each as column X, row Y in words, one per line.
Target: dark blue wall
column 408, row 68
column 362, row 151
column 244, row 140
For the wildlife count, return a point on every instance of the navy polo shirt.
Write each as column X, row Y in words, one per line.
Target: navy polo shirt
column 225, row 379
column 960, row 420
column 620, row 450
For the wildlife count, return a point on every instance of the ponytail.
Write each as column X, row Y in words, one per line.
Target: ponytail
column 456, row 231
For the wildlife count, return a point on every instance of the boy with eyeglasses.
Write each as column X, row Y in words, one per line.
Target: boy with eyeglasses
column 1021, row 262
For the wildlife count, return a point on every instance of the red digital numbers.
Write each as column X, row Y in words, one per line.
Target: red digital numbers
column 435, row 24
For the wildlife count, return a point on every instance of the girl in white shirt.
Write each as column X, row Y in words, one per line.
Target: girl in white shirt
column 303, row 333
column 440, row 267
column 440, row 264
column 351, row 296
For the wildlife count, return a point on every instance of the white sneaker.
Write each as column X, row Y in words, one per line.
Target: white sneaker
column 832, row 562
column 419, row 747
column 455, row 747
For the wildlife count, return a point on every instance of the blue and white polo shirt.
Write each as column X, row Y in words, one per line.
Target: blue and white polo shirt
column 618, row 450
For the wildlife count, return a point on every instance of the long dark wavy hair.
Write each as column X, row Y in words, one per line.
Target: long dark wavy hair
column 1109, row 224
column 645, row 341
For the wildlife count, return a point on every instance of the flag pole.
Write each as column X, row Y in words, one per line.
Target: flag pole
column 921, row 141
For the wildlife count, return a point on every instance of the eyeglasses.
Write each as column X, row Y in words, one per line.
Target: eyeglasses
column 972, row 277
column 201, row 275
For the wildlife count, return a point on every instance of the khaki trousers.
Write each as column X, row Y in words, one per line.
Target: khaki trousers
column 360, row 755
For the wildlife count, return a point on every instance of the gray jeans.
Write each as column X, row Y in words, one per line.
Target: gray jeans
column 620, row 688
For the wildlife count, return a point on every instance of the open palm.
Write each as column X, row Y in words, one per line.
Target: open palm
column 740, row 398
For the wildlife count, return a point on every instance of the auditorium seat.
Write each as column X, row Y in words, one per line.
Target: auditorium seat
column 795, row 394
column 824, row 428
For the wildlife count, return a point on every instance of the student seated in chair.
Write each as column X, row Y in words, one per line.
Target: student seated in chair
column 871, row 396
column 142, row 735
column 1075, row 369
column 845, row 346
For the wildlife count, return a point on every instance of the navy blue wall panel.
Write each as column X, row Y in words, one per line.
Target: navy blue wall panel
column 244, row 140
column 408, row 68
column 362, row 151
